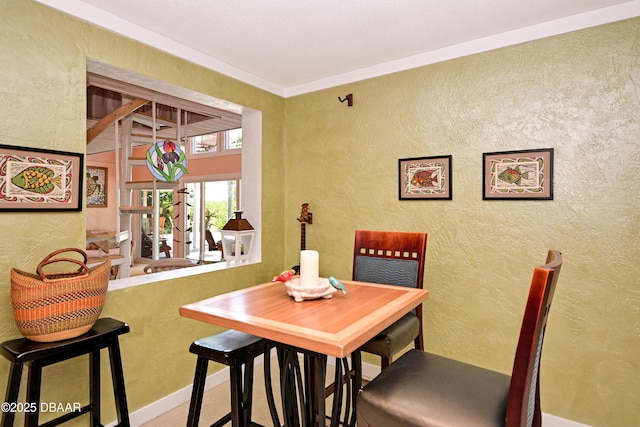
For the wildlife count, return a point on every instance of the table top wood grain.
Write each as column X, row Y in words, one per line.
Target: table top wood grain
column 336, row 326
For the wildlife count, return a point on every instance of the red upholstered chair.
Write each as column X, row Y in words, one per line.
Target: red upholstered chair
column 424, row 389
column 394, row 258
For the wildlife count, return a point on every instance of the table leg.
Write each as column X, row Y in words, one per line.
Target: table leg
column 291, row 386
column 340, row 381
column 315, row 374
column 356, row 367
column 303, row 390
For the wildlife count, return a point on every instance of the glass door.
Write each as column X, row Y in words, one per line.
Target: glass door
column 210, row 204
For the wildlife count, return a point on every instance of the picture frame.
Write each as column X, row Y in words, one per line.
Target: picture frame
column 33, row 179
column 518, row 175
column 96, row 188
column 425, row 178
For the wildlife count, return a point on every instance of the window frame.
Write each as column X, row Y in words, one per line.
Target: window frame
column 221, row 150
column 251, row 175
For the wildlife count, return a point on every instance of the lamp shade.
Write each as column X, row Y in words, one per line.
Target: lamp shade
column 238, row 223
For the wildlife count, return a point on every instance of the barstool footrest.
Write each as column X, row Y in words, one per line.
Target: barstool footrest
column 67, row 417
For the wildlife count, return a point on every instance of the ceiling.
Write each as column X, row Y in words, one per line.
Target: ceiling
column 290, row 47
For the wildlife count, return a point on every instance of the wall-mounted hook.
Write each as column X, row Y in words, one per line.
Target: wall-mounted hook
column 349, row 98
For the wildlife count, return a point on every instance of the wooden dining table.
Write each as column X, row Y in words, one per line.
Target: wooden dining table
column 336, row 326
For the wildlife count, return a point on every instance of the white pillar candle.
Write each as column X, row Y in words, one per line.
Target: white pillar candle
column 309, row 266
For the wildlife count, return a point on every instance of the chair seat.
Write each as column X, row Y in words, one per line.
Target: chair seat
column 229, row 346
column 394, row 338
column 22, row 350
column 426, row 390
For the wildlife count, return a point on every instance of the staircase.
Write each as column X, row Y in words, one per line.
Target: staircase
column 128, row 206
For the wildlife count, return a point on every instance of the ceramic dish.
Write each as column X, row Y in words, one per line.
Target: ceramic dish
column 302, row 293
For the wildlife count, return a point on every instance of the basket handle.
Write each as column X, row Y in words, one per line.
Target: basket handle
column 59, row 251
column 49, row 259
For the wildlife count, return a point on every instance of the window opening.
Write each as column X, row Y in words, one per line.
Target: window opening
column 216, row 122
column 217, row 143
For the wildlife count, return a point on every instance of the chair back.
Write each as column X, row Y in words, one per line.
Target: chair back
column 391, row 257
column 523, row 406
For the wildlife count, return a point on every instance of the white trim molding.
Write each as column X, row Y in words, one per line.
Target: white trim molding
column 118, row 25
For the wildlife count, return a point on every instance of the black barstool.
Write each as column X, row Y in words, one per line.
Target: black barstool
column 237, row 350
column 36, row 355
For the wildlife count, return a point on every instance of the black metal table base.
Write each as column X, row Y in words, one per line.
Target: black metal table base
column 303, row 389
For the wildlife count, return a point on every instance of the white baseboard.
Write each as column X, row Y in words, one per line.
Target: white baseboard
column 167, row 403
column 553, row 421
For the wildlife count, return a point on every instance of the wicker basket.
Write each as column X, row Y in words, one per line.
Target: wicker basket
column 57, row 306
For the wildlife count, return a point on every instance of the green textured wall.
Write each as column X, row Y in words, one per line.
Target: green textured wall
column 43, row 104
column 578, row 93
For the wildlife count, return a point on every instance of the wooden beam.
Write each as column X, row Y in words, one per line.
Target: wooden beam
column 111, row 118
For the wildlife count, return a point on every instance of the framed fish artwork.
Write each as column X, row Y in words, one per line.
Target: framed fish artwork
column 425, row 178
column 518, row 175
column 34, row 179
